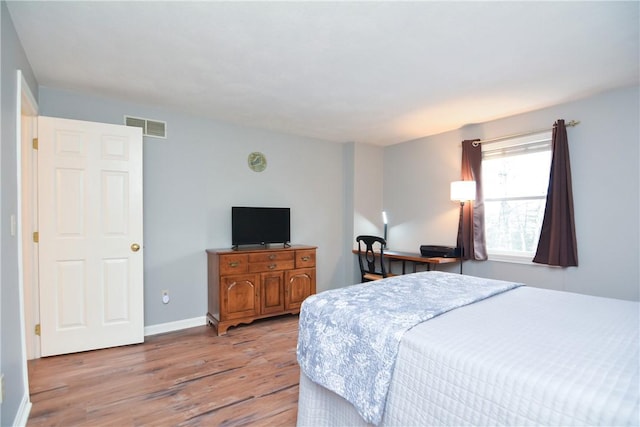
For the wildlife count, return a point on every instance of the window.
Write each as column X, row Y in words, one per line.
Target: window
column 515, row 177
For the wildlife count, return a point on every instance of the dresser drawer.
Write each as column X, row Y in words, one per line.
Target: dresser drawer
column 257, row 267
column 234, row 264
column 305, row 258
column 271, row 256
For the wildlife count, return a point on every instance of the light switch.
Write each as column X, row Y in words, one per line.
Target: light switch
column 13, row 225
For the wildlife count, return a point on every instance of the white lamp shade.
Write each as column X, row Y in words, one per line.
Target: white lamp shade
column 462, row 191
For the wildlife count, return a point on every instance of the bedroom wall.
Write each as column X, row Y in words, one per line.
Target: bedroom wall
column 367, row 197
column 606, row 184
column 367, row 206
column 13, row 58
column 191, row 180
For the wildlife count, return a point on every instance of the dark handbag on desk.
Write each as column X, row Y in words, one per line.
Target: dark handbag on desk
column 439, row 251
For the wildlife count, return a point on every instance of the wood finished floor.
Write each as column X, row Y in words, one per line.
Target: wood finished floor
column 185, row 378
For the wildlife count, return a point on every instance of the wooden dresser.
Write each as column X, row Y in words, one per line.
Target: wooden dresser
column 249, row 284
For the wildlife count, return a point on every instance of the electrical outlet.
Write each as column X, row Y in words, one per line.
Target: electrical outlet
column 165, row 297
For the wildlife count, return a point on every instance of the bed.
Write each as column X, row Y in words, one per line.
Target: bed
column 513, row 355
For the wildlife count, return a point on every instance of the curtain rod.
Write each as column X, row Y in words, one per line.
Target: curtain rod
column 570, row 123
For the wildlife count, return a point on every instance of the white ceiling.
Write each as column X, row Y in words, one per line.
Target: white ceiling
column 373, row 72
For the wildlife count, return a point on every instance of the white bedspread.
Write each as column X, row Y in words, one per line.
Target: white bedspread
column 349, row 337
column 525, row 357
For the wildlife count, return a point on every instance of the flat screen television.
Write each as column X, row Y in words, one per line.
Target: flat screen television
column 260, row 225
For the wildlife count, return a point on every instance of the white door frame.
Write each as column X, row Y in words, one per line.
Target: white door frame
column 27, row 108
column 27, row 195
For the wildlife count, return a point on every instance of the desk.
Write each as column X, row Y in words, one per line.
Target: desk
column 415, row 258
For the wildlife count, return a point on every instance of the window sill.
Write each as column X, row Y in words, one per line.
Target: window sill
column 514, row 259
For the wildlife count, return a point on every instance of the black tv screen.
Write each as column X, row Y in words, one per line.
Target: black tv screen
column 260, row 225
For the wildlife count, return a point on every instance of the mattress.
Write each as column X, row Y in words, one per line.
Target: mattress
column 526, row 357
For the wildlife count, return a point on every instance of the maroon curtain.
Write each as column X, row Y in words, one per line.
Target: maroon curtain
column 472, row 243
column 557, row 245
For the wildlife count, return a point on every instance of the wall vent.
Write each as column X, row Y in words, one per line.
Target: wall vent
column 153, row 128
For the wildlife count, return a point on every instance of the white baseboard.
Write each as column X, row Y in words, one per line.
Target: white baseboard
column 23, row 412
column 174, row 326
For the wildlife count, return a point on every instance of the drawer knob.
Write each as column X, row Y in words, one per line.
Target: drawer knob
column 306, row 258
column 272, row 266
column 234, row 264
column 272, row 257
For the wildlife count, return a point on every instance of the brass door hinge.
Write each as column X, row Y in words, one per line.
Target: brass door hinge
column 35, row 143
column 36, row 237
column 37, row 329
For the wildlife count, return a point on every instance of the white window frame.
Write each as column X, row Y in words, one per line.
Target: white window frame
column 535, row 143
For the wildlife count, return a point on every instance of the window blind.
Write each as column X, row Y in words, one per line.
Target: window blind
column 517, row 146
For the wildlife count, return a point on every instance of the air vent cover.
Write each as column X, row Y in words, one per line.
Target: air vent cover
column 153, row 128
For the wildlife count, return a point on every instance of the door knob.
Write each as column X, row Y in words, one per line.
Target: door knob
column 135, row 247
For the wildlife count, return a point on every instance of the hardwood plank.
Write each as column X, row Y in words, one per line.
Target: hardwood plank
column 189, row 378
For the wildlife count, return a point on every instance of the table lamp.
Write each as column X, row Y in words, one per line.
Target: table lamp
column 384, row 221
column 462, row 191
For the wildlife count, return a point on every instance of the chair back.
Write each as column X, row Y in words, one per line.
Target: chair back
column 371, row 257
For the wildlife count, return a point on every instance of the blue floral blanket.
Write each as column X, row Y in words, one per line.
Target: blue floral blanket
column 349, row 337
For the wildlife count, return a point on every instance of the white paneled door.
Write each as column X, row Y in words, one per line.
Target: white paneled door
column 90, row 235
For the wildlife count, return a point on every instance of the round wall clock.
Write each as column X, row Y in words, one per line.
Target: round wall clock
column 257, row 161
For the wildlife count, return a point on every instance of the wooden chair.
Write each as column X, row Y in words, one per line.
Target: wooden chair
column 371, row 258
